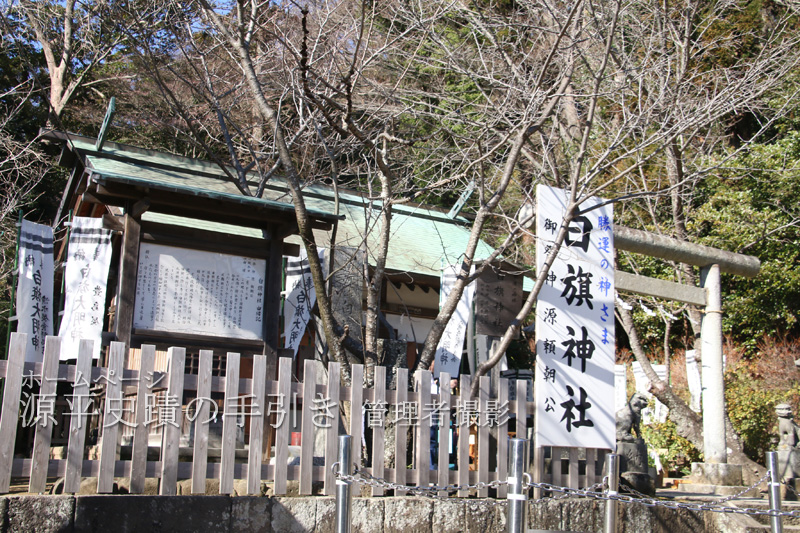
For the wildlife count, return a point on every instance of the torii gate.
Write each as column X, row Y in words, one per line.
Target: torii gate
column 712, row 262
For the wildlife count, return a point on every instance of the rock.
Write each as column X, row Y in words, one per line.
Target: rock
column 185, row 487
column 481, row 515
column 42, row 514
column 326, row 515
column 150, row 486
column 368, row 515
column 291, row 515
column 251, row 514
column 639, row 482
column 449, row 516
column 152, row 513
column 407, row 515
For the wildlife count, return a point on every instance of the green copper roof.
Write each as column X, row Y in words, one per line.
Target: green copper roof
column 422, row 239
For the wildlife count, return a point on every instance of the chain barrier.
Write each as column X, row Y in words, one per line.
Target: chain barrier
column 716, row 506
column 596, row 491
column 718, row 501
column 432, row 491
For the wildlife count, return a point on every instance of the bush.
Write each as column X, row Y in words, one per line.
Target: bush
column 676, row 453
column 751, row 408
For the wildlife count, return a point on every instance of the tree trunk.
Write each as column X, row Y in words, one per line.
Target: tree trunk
column 689, row 424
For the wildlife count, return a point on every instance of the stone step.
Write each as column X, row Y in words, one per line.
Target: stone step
column 764, row 506
column 763, row 528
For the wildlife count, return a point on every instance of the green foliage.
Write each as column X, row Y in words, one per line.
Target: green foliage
column 753, row 208
column 675, row 452
column 751, row 408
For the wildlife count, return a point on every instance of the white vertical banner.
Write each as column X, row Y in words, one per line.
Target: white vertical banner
column 694, row 381
column 448, row 353
column 575, row 325
column 620, row 387
column 85, row 280
column 660, row 412
column 300, row 298
column 34, row 305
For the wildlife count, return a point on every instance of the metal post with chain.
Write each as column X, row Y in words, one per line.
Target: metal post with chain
column 776, row 522
column 613, row 490
column 517, row 490
column 344, row 494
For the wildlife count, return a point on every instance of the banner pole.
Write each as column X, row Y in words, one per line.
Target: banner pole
column 58, row 312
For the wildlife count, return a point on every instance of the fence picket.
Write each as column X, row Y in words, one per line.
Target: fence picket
column 483, row 435
column 332, row 429
column 502, row 436
column 200, row 452
column 12, row 390
column 378, row 431
column 229, row 420
column 356, row 401
column 591, row 461
column 171, row 434
column 401, row 430
column 257, row 413
column 307, row 431
column 555, row 462
column 462, row 421
column 40, row 459
column 443, row 471
column 78, row 418
column 539, row 475
column 282, row 432
column 141, row 430
column 422, row 448
column 573, row 480
column 112, row 415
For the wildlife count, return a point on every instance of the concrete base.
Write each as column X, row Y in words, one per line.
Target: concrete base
column 404, row 514
column 788, row 462
column 717, row 479
column 716, row 474
column 790, row 489
column 718, row 490
column 639, row 482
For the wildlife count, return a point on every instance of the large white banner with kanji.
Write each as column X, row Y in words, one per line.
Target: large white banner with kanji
column 575, row 325
column 300, row 298
column 85, row 280
column 35, row 287
column 201, row 293
column 448, row 353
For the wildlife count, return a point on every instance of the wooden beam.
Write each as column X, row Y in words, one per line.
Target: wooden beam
column 113, row 223
column 140, row 208
column 217, row 208
column 272, row 293
column 126, row 285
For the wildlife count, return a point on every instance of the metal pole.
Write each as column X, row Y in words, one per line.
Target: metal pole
column 613, row 490
column 344, row 496
column 776, row 521
column 517, row 493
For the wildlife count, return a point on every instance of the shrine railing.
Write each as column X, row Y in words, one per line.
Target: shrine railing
column 179, row 410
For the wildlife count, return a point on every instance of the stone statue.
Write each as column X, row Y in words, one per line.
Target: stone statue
column 788, row 448
column 631, row 448
column 629, row 419
column 788, row 430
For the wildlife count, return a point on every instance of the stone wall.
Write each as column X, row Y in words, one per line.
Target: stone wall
column 223, row 514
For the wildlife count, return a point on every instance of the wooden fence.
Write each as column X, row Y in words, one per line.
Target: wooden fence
column 127, row 403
